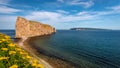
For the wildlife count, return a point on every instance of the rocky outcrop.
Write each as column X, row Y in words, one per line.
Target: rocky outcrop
column 26, row 28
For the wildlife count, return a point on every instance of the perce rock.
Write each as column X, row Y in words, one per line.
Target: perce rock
column 26, row 28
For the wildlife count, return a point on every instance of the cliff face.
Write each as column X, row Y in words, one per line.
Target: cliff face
column 26, row 28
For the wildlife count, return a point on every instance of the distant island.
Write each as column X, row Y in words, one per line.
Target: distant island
column 88, row 29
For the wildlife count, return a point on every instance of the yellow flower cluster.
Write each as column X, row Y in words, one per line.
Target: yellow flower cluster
column 7, row 37
column 12, row 52
column 3, row 58
column 35, row 64
column 18, row 49
column 11, row 45
column 28, row 57
column 3, row 40
column 14, row 56
column 4, row 49
column 14, row 66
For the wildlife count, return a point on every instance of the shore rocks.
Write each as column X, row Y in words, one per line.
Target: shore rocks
column 26, row 28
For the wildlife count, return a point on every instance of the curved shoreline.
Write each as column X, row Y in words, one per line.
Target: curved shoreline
column 54, row 61
column 46, row 59
column 24, row 44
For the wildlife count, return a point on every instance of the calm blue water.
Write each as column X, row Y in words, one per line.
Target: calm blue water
column 8, row 32
column 88, row 49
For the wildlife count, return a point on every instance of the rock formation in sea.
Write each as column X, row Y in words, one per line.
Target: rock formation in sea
column 27, row 28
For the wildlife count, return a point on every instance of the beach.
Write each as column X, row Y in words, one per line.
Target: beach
column 22, row 43
column 48, row 61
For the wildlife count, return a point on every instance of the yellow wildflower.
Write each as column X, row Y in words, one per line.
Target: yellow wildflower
column 4, row 49
column 11, row 45
column 40, row 66
column 28, row 57
column 3, row 40
column 11, row 52
column 21, row 52
column 3, row 58
column 14, row 66
column 34, row 64
column 7, row 37
column 18, row 49
column 35, row 61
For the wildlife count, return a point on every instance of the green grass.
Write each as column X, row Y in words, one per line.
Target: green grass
column 13, row 56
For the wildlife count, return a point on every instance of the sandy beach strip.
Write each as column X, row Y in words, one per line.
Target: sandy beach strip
column 22, row 43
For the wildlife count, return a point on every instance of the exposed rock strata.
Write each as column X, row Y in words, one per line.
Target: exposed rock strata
column 26, row 28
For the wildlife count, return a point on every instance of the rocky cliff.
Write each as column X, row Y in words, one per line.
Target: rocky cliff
column 26, row 28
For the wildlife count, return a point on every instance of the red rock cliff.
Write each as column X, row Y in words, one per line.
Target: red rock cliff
column 26, row 28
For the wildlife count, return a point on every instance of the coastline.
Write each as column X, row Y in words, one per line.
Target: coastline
column 48, row 61
column 23, row 43
column 54, row 61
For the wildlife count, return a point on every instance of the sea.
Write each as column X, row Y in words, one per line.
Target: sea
column 85, row 48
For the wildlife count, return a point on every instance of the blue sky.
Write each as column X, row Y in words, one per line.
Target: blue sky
column 62, row 14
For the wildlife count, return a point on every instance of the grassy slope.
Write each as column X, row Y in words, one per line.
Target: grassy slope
column 12, row 56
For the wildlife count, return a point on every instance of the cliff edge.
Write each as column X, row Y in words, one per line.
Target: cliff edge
column 26, row 28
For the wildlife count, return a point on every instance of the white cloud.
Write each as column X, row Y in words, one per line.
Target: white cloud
column 72, row 18
column 62, row 11
column 8, row 10
column 112, row 10
column 4, row 2
column 94, row 13
column 56, row 17
column 84, row 13
column 43, row 15
column 86, row 4
column 115, row 8
column 61, row 17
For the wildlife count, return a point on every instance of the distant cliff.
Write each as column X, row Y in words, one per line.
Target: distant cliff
column 87, row 29
column 26, row 28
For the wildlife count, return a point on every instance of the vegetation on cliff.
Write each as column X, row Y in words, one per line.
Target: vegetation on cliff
column 13, row 56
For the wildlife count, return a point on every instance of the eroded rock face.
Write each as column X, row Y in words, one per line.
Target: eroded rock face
column 26, row 28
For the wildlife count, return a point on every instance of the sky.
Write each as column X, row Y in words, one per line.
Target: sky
column 62, row 14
